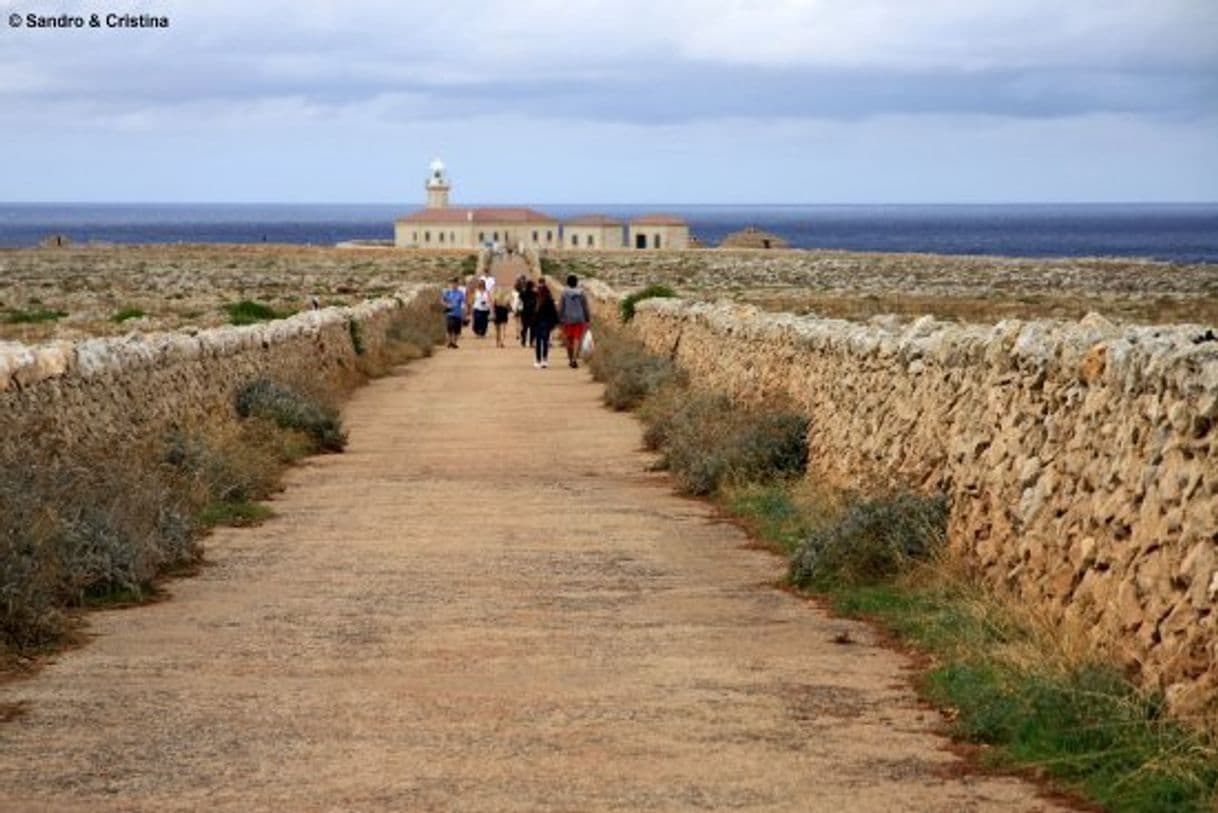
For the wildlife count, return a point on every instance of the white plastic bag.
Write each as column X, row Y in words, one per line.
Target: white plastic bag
column 587, row 344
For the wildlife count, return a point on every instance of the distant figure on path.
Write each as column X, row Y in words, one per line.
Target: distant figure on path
column 454, row 311
column 481, row 309
column 575, row 316
column 502, row 301
column 528, row 311
column 545, row 317
column 488, row 279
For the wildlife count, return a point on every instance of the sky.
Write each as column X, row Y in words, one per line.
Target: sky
column 623, row 101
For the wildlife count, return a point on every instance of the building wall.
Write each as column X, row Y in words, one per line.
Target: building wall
column 433, row 235
column 603, row 237
column 1078, row 457
column 671, row 237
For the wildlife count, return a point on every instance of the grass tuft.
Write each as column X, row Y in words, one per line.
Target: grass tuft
column 33, row 316
column 248, row 312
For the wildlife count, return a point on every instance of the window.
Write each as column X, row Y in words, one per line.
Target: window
column 426, row 237
column 657, row 241
column 441, row 237
column 534, row 235
column 495, row 236
column 481, row 237
column 591, row 241
column 452, row 237
column 575, row 239
column 414, row 238
column 549, row 237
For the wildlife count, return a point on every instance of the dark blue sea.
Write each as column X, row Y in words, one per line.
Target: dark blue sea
column 1175, row 232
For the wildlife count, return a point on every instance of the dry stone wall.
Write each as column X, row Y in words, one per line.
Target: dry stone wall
column 1080, row 458
column 57, row 398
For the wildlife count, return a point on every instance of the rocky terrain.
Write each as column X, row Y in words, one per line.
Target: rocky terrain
column 74, row 293
column 972, row 289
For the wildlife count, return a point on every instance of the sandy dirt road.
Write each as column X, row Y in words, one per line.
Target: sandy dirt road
column 487, row 603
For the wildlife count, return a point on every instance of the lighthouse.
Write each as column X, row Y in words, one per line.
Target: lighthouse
column 437, row 185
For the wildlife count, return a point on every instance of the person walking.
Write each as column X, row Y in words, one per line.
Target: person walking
column 454, row 311
column 528, row 311
column 575, row 316
column 545, row 317
column 501, row 299
column 481, row 309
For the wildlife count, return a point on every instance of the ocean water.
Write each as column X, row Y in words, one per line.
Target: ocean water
column 1174, row 232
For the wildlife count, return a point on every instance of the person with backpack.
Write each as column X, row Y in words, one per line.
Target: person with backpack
column 454, row 311
column 545, row 317
column 575, row 316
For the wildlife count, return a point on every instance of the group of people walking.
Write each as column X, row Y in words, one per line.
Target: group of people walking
column 533, row 305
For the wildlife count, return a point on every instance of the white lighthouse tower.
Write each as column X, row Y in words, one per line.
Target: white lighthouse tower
column 437, row 185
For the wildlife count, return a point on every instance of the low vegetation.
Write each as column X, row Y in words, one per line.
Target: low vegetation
column 654, row 291
column 248, row 312
column 186, row 286
column 292, row 410
column 1005, row 682
column 127, row 314
column 103, row 524
column 33, row 316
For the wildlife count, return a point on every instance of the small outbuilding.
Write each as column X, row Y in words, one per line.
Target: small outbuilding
column 592, row 232
column 753, row 237
column 659, row 231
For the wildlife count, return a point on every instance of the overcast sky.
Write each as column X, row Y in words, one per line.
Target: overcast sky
column 624, row 101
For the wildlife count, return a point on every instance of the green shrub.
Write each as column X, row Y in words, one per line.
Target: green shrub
column 33, row 316
column 128, row 313
column 469, row 265
column 248, row 312
column 288, row 409
column 650, row 292
column 550, row 268
column 874, row 540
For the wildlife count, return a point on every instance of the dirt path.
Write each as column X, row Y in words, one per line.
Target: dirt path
column 485, row 604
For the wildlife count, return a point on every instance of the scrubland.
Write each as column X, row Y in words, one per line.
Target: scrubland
column 73, row 293
column 858, row 285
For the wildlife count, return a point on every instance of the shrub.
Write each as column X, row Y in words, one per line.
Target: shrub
column 709, row 442
column 33, row 316
column 248, row 312
column 289, row 409
column 629, row 371
column 873, row 541
column 650, row 292
column 469, row 265
column 128, row 313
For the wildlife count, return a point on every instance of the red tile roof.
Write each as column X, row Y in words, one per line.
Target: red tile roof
column 593, row 220
column 657, row 220
column 485, row 214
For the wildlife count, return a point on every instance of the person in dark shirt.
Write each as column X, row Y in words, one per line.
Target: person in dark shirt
column 528, row 308
column 545, row 317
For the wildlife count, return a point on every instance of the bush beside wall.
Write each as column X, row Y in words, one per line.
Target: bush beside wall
column 1078, row 458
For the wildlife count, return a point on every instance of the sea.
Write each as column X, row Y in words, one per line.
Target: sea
column 1185, row 232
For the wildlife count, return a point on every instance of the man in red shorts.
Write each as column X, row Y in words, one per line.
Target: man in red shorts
column 574, row 315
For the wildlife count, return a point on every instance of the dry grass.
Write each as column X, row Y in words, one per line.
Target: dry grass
column 176, row 286
column 859, row 285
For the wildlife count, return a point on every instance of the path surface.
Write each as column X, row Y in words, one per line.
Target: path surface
column 487, row 603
